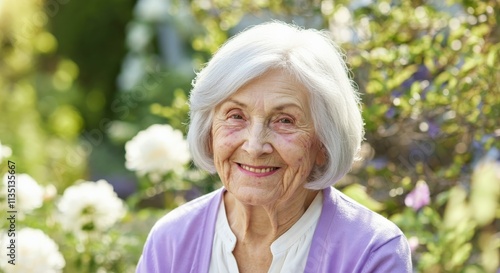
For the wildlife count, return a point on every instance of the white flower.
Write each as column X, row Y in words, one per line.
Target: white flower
column 5, row 151
column 341, row 25
column 132, row 72
column 90, row 206
column 153, row 10
column 35, row 252
column 138, row 36
column 29, row 195
column 157, row 150
column 50, row 192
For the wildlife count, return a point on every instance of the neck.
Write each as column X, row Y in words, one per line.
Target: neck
column 266, row 223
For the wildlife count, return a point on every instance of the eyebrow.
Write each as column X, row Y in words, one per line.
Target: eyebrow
column 276, row 108
column 235, row 102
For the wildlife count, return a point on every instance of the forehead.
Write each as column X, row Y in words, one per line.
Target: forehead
column 273, row 88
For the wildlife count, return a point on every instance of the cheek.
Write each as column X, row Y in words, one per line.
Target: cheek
column 297, row 149
column 299, row 142
column 225, row 141
column 289, row 139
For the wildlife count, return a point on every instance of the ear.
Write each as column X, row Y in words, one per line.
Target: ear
column 322, row 155
column 210, row 144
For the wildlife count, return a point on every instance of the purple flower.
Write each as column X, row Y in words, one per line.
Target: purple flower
column 390, row 113
column 434, row 129
column 419, row 196
column 396, row 93
column 422, row 73
column 378, row 163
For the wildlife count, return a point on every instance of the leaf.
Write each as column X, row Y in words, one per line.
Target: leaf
column 485, row 192
column 492, row 57
column 456, row 209
column 358, row 193
column 460, row 255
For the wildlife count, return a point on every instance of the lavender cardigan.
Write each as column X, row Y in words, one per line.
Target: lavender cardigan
column 348, row 238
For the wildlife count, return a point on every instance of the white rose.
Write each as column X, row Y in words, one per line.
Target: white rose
column 133, row 70
column 35, row 252
column 5, row 152
column 29, row 195
column 152, row 10
column 90, row 206
column 138, row 36
column 157, row 150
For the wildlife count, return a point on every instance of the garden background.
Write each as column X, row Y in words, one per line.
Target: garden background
column 96, row 91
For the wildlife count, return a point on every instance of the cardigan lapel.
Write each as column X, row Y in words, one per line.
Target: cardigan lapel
column 319, row 250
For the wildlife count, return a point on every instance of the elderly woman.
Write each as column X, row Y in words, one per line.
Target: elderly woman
column 275, row 114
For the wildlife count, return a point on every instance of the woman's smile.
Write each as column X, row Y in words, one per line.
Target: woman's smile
column 257, row 171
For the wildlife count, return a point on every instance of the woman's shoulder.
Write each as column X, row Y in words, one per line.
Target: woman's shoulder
column 352, row 238
column 180, row 240
column 353, row 215
column 192, row 214
column 346, row 221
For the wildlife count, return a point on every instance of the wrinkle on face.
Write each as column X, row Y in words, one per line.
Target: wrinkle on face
column 267, row 123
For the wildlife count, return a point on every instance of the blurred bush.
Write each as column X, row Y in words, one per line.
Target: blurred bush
column 72, row 97
column 38, row 94
column 429, row 80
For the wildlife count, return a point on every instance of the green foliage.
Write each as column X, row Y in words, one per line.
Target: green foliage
column 427, row 72
column 447, row 241
column 358, row 193
column 115, row 250
column 430, row 95
column 38, row 119
column 429, row 81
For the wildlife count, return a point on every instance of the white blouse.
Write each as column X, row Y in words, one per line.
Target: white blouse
column 289, row 251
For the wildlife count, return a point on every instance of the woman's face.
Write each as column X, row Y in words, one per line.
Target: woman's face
column 264, row 142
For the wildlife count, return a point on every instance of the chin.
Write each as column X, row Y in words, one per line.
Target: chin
column 255, row 197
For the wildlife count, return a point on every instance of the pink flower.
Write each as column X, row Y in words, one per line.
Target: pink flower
column 413, row 242
column 419, row 196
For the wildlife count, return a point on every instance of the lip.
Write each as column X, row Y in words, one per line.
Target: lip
column 257, row 171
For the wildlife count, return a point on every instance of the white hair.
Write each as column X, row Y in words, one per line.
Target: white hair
column 314, row 60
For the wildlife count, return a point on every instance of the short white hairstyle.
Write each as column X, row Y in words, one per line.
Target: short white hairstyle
column 314, row 60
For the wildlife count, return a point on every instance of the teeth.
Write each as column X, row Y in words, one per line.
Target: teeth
column 254, row 170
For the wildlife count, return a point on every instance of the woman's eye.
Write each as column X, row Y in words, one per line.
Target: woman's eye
column 236, row 116
column 285, row 120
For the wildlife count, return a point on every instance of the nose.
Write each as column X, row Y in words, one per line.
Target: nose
column 256, row 143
